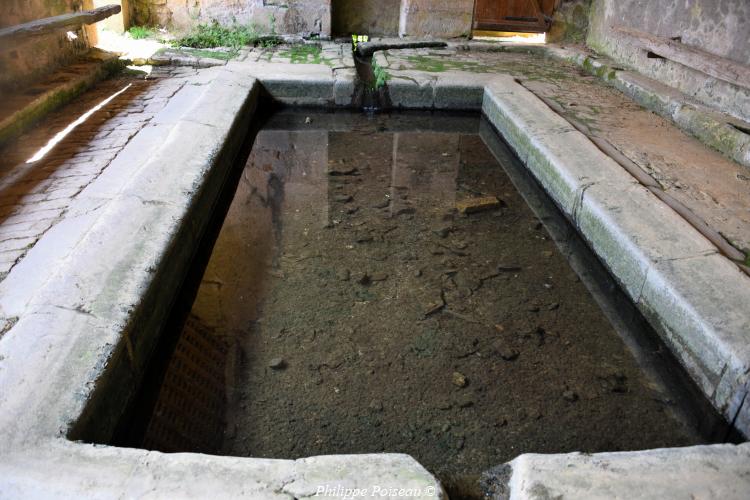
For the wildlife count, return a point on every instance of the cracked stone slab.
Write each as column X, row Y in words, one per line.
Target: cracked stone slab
column 81, row 470
column 632, row 231
column 689, row 290
column 411, row 89
column 718, row 471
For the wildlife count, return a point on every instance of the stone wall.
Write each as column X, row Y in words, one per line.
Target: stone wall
column 424, row 18
column 281, row 16
column 372, row 17
column 119, row 22
column 570, row 22
column 720, row 27
column 436, row 18
column 25, row 60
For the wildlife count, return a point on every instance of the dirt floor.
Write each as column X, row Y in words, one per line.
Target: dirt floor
column 371, row 315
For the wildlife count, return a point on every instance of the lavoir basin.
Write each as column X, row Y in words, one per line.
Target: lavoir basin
column 397, row 282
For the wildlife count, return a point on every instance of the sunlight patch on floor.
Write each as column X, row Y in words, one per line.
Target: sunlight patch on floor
column 510, row 37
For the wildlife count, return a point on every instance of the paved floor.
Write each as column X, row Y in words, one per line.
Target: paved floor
column 34, row 195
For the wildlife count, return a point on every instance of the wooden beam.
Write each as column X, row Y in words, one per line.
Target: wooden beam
column 697, row 59
column 58, row 23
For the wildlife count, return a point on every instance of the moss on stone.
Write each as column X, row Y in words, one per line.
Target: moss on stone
column 431, row 64
column 305, row 54
column 211, row 54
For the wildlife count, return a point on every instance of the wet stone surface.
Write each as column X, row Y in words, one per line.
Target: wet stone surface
column 370, row 314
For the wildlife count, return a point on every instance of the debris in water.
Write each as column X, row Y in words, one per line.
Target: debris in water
column 406, row 211
column 343, row 171
column 504, row 350
column 342, row 198
column 465, row 401
column 376, row 405
column 615, row 382
column 362, row 278
column 434, row 307
column 460, row 443
column 364, row 238
column 443, row 231
column 570, row 396
column 277, row 364
column 507, row 268
column 473, row 205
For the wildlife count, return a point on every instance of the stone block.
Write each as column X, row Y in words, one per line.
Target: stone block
column 344, row 87
column 717, row 471
column 699, row 306
column 631, row 230
column 411, row 90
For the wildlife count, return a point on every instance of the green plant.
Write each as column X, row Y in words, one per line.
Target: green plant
column 268, row 43
column 140, row 32
column 381, row 75
column 206, row 36
column 305, row 54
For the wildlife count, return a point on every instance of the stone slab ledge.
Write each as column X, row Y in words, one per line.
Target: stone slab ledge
column 717, row 471
column 695, row 298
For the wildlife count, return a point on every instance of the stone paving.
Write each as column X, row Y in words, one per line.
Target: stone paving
column 35, row 196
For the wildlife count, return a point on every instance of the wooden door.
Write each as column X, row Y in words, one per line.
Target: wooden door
column 529, row 16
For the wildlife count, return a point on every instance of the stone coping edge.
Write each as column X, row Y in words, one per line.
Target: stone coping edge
column 715, row 471
column 695, row 298
column 61, row 469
